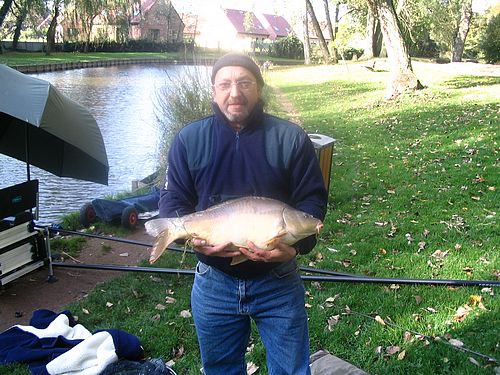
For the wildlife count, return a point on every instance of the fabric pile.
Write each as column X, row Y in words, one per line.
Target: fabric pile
column 54, row 343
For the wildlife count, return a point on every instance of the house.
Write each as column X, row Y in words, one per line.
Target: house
column 233, row 29
column 156, row 20
column 276, row 26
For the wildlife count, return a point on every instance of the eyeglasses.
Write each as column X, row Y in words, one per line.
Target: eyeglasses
column 241, row 85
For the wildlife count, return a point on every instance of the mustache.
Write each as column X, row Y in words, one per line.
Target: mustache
column 240, row 101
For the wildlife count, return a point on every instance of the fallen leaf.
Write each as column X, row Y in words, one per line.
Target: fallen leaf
column 178, row 352
column 123, row 254
column 160, row 307
column 170, row 300
column 391, row 350
column 185, row 314
column 378, row 350
column 476, row 300
column 156, row 318
column 473, row 361
column 85, row 311
column 402, row 355
column 109, row 304
column 308, row 305
column 332, row 321
column 330, row 301
column 378, row 319
column 251, row 368
column 456, row 342
column 461, row 313
column 418, row 300
column 407, row 336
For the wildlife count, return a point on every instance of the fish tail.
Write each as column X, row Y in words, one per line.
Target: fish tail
column 165, row 234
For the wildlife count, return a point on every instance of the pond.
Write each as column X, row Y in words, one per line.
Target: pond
column 122, row 99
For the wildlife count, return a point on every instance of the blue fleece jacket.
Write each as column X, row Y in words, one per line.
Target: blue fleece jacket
column 209, row 162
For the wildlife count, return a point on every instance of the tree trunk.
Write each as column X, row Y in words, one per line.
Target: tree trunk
column 373, row 41
column 462, row 31
column 331, row 29
column 402, row 77
column 307, row 42
column 4, row 10
column 319, row 33
column 19, row 24
column 51, row 32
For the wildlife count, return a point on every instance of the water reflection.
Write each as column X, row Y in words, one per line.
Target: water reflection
column 122, row 99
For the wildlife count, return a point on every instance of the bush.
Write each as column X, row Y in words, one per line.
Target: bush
column 141, row 45
column 290, row 47
column 184, row 98
column 490, row 43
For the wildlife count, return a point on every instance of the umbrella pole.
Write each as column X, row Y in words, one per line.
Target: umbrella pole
column 27, row 151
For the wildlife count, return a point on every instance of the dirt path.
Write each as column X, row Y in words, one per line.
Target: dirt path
column 287, row 105
column 19, row 298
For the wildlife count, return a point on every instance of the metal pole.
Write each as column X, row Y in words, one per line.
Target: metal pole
column 331, row 276
column 346, row 279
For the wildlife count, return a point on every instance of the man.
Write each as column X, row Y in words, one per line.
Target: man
column 242, row 151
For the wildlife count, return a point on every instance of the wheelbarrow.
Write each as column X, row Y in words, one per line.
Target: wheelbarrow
column 126, row 211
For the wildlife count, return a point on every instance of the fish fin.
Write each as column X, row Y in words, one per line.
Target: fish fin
column 238, row 259
column 156, row 226
column 277, row 237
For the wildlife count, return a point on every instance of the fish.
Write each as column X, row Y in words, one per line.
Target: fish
column 248, row 219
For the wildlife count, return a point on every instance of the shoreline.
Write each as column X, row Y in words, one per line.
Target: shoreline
column 51, row 67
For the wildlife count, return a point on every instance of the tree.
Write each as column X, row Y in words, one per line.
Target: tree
column 373, row 40
column 51, row 32
column 21, row 13
column 319, row 33
column 332, row 28
column 307, row 41
column 4, row 10
column 462, row 31
column 85, row 12
column 490, row 43
column 402, row 78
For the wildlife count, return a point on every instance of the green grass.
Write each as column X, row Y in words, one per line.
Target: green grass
column 413, row 194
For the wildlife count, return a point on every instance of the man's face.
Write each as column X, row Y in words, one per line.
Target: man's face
column 236, row 92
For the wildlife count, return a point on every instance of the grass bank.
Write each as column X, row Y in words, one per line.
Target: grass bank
column 413, row 195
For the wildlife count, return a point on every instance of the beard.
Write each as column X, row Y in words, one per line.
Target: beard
column 237, row 117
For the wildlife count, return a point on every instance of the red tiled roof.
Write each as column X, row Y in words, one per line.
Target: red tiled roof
column 241, row 20
column 279, row 25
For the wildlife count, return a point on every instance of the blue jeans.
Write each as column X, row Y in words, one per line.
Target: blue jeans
column 223, row 306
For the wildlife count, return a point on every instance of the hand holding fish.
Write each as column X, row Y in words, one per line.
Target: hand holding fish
column 280, row 252
column 225, row 250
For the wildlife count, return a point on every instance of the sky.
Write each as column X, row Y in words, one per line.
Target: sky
column 286, row 8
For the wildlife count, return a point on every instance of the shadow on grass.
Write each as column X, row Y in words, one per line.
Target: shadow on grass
column 472, row 81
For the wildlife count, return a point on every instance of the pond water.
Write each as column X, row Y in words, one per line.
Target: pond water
column 122, row 99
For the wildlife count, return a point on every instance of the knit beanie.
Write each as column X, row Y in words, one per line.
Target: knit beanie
column 238, row 59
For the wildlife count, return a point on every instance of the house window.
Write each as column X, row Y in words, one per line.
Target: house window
column 153, row 34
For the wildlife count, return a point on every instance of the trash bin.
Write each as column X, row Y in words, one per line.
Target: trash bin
column 323, row 145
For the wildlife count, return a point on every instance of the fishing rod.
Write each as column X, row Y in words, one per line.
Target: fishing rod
column 328, row 276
